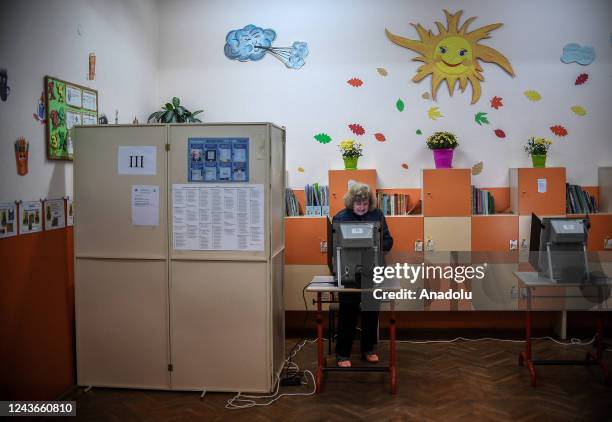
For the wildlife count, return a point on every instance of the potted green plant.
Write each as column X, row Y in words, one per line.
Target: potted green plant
column 538, row 148
column 351, row 151
column 174, row 112
column 443, row 144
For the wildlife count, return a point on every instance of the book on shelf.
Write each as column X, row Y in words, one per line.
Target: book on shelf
column 393, row 204
column 578, row 201
column 483, row 202
column 317, row 199
column 292, row 206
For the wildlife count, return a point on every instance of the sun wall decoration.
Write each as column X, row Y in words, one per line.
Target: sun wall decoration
column 453, row 54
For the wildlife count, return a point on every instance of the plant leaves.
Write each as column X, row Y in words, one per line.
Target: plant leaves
column 533, row 95
column 169, row 107
column 323, row 138
column 357, row 129
column 380, row 137
column 176, row 101
column 167, row 116
column 355, row 82
column 558, row 130
column 581, row 79
column 579, row 110
column 197, row 112
column 481, row 117
column 381, row 71
column 399, row 104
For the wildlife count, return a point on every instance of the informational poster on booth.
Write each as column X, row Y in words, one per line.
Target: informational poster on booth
column 214, row 160
column 218, row 217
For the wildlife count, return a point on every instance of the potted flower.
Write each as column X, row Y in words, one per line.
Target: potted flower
column 442, row 144
column 537, row 148
column 351, row 151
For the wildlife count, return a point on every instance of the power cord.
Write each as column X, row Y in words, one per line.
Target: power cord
column 572, row 342
column 244, row 401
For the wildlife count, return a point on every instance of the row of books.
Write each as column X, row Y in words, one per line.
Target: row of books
column 317, row 199
column 394, row 204
column 482, row 202
column 292, row 206
column 578, row 201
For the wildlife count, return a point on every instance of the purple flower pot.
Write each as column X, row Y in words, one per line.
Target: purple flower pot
column 443, row 158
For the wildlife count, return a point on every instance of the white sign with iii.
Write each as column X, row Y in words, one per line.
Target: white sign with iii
column 137, row 160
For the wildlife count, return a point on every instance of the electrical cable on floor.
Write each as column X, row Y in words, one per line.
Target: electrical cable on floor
column 572, row 342
column 244, row 401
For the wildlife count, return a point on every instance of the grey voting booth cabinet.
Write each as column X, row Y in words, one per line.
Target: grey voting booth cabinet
column 149, row 315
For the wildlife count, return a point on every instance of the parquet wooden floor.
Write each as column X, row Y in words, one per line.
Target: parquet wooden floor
column 463, row 381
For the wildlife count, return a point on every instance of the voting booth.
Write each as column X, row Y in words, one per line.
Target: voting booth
column 179, row 251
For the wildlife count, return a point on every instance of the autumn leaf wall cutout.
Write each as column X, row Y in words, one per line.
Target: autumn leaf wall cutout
column 533, row 95
column 434, row 113
column 558, row 130
column 380, row 137
column 301, row 169
column 477, row 168
column 419, row 132
column 426, row 96
column 499, row 133
column 399, row 104
column 405, row 166
column 481, row 117
column 581, row 79
column 355, row 82
column 579, row 110
column 357, row 129
column 381, row 71
column 496, row 102
column 323, row 138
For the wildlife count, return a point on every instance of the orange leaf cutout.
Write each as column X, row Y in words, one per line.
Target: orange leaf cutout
column 405, row 165
column 357, row 129
column 356, row 82
column 500, row 133
column 558, row 130
column 380, row 137
column 496, row 102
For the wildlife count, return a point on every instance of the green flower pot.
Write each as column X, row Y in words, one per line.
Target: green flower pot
column 350, row 163
column 538, row 160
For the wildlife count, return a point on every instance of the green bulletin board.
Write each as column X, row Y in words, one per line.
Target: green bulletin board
column 67, row 105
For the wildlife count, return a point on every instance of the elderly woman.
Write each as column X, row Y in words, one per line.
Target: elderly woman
column 360, row 206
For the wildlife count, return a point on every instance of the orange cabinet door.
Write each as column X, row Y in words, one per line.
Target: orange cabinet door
column 338, row 185
column 405, row 230
column 303, row 237
column 552, row 201
column 601, row 229
column 492, row 235
column 447, row 193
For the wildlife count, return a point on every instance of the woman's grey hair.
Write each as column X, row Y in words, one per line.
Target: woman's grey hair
column 359, row 192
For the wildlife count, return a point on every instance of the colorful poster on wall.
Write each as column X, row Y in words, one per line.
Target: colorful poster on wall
column 8, row 226
column 54, row 214
column 214, row 160
column 30, row 217
column 64, row 104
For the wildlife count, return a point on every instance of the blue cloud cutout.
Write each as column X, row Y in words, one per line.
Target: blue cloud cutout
column 575, row 53
column 299, row 51
column 242, row 44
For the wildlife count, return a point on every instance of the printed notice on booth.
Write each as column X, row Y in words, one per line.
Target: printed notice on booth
column 218, row 217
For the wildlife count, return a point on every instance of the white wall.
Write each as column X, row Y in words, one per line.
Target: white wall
column 38, row 38
column 346, row 39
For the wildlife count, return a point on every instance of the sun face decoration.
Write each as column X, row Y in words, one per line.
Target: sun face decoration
column 453, row 54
